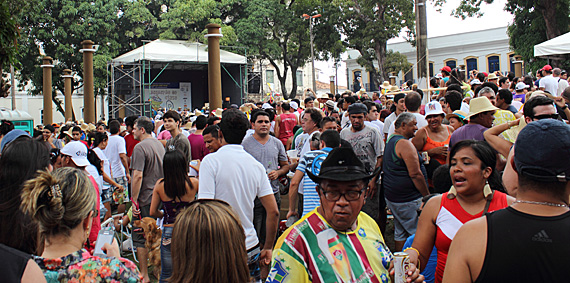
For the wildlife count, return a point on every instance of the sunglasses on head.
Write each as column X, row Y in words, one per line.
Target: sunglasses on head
column 54, row 154
column 546, row 116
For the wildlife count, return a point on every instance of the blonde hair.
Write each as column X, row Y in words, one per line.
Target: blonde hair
column 208, row 244
column 58, row 201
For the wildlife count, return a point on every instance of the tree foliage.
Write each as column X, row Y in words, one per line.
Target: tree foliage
column 9, row 34
column 275, row 30
column 367, row 26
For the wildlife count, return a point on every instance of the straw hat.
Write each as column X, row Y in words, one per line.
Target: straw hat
column 197, row 112
column 218, row 112
column 323, row 96
column 394, row 89
column 480, row 105
column 492, row 76
column 91, row 127
column 456, row 114
column 187, row 126
column 84, row 127
column 385, row 84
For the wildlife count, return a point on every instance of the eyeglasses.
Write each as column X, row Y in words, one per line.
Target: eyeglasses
column 546, row 116
column 335, row 195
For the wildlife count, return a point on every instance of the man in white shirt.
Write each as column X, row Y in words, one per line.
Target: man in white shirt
column 400, row 107
column 116, row 152
column 234, row 176
column 548, row 82
column 372, row 116
column 562, row 83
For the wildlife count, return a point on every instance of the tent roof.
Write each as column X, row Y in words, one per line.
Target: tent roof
column 556, row 46
column 177, row 51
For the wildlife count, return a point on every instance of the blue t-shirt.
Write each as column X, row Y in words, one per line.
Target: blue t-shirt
column 311, row 161
column 429, row 271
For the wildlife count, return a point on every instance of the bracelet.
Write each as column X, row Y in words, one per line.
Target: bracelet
column 414, row 249
column 508, row 125
column 565, row 107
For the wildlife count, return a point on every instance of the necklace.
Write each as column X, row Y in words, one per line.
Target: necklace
column 541, row 203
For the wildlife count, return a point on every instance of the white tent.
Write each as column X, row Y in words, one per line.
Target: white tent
column 556, row 46
column 176, row 51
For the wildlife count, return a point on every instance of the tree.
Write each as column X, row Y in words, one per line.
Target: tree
column 367, row 26
column 275, row 30
column 9, row 34
column 396, row 62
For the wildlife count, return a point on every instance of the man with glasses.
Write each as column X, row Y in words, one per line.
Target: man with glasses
column 335, row 242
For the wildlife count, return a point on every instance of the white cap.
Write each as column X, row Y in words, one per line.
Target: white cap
column 78, row 152
column 434, row 108
column 521, row 86
column 294, row 105
column 266, row 106
column 475, row 82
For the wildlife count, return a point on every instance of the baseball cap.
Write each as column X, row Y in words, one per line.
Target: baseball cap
column 357, row 108
column 434, row 108
column 11, row 136
column 78, row 152
column 266, row 106
column 521, row 86
column 542, row 151
column 294, row 105
column 475, row 82
column 446, row 68
column 547, row 68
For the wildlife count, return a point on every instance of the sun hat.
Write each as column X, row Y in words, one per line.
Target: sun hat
column 84, row 127
column 385, row 84
column 78, row 152
column 341, row 164
column 521, row 86
column 197, row 112
column 323, row 96
column 492, row 76
column 394, row 89
column 433, row 108
column 91, row 127
column 480, row 105
column 456, row 114
column 329, row 103
column 542, row 151
column 357, row 108
column 218, row 112
column 11, row 136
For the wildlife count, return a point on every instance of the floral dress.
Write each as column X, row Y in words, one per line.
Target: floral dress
column 81, row 266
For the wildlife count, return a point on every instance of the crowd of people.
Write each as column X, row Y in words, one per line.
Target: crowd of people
column 472, row 173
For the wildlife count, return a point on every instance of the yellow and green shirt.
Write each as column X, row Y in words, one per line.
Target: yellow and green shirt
column 312, row 251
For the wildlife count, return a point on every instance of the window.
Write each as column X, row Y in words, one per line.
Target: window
column 299, row 78
column 493, row 63
column 471, row 64
column 451, row 63
column 430, row 69
column 269, row 76
column 356, row 74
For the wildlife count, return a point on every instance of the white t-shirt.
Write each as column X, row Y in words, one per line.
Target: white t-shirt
column 345, row 120
column 562, row 85
column 549, row 83
column 374, row 125
column 420, row 119
column 115, row 146
column 98, row 178
column 380, row 125
column 389, row 121
column 234, row 176
column 106, row 164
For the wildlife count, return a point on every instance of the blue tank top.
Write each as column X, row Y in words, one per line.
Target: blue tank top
column 398, row 186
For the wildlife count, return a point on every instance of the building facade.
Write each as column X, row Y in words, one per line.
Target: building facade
column 485, row 50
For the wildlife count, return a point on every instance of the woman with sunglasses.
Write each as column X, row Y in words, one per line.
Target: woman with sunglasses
column 63, row 204
column 475, row 192
column 175, row 191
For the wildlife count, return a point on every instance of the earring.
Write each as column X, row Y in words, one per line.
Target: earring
column 487, row 190
column 452, row 193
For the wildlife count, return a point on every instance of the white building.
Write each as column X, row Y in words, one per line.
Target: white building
column 484, row 50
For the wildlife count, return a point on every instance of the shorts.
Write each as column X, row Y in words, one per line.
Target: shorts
column 138, row 232
column 120, row 197
column 253, row 263
column 405, row 217
column 106, row 195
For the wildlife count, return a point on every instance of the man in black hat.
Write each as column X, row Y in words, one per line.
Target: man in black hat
column 335, row 242
column 368, row 145
column 534, row 229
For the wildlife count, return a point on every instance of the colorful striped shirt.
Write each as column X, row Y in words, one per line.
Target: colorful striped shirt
column 312, row 251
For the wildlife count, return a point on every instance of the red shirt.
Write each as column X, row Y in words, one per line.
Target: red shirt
column 130, row 143
column 96, row 224
column 197, row 146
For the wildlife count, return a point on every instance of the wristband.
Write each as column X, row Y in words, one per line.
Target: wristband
column 565, row 107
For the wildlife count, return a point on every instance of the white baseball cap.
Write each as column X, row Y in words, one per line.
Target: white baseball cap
column 434, row 108
column 521, row 86
column 78, row 152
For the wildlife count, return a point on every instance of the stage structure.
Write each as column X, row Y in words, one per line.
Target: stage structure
column 172, row 74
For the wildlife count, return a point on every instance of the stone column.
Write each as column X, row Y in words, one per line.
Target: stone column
column 88, row 95
column 47, row 91
column 67, row 86
column 214, row 67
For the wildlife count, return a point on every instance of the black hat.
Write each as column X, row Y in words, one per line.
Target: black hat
column 357, row 108
column 341, row 164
